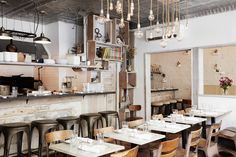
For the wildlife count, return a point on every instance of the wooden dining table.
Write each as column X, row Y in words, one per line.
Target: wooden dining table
column 94, row 149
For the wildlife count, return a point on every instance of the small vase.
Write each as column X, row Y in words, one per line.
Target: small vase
column 225, row 91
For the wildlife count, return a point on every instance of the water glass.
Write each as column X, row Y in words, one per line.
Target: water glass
column 173, row 118
column 100, row 137
column 76, row 130
column 145, row 127
column 125, row 125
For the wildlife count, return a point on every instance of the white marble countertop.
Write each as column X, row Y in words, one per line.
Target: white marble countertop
column 187, row 120
column 162, row 126
column 208, row 114
column 103, row 149
column 139, row 137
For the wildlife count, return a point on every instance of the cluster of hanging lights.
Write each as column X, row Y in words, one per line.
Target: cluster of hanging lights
column 169, row 25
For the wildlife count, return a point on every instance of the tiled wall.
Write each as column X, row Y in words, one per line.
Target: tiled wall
column 19, row 111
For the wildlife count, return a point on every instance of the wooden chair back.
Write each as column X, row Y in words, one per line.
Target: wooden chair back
column 214, row 132
column 128, row 153
column 169, row 148
column 56, row 136
column 105, row 130
column 193, row 140
column 134, row 107
column 135, row 123
column 132, row 152
column 181, row 112
column 157, row 117
column 188, row 110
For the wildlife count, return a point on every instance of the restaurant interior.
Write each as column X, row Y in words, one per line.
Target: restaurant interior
column 117, row 78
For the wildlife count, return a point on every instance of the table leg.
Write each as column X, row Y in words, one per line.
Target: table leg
column 204, row 129
column 184, row 138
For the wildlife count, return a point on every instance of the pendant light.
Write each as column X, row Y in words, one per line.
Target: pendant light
column 157, row 29
column 138, row 33
column 122, row 21
column 111, row 5
column 151, row 17
column 118, row 7
column 132, row 8
column 42, row 39
column 101, row 17
column 3, row 34
column 108, row 12
column 128, row 15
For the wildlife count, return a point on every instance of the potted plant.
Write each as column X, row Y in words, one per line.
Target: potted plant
column 130, row 53
column 225, row 83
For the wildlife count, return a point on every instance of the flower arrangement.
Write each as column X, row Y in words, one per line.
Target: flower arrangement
column 225, row 83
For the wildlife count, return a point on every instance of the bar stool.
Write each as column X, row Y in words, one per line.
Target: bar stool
column 156, row 106
column 180, row 105
column 133, row 109
column 9, row 130
column 166, row 108
column 110, row 114
column 173, row 105
column 91, row 119
column 43, row 126
column 68, row 122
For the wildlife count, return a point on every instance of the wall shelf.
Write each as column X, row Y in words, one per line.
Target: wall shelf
column 49, row 65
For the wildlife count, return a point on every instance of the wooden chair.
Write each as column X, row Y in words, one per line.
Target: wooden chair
column 193, row 141
column 187, row 110
column 57, row 136
column 135, row 123
column 168, row 148
column 181, row 112
column 129, row 153
column 164, row 149
column 157, row 117
column 227, row 141
column 105, row 130
column 209, row 147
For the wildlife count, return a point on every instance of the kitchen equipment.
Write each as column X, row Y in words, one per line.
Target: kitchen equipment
column 10, row 56
column 11, row 47
column 4, row 90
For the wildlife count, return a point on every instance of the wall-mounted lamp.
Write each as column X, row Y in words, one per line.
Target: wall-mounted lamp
column 215, row 52
column 178, row 64
column 187, row 52
column 217, row 68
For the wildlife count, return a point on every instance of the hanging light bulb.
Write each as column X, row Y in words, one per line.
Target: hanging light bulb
column 163, row 43
column 157, row 29
column 122, row 21
column 101, row 17
column 111, row 5
column 108, row 13
column 128, row 15
column 132, row 8
column 138, row 33
column 151, row 17
column 118, row 7
column 150, row 35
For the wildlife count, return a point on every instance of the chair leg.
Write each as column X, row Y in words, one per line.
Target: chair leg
column 19, row 143
column 7, row 144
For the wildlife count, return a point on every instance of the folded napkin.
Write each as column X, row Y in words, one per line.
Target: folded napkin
column 191, row 119
column 92, row 148
column 82, row 139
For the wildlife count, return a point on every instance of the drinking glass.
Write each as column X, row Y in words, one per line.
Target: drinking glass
column 125, row 125
column 100, row 137
column 145, row 127
column 173, row 118
column 76, row 130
